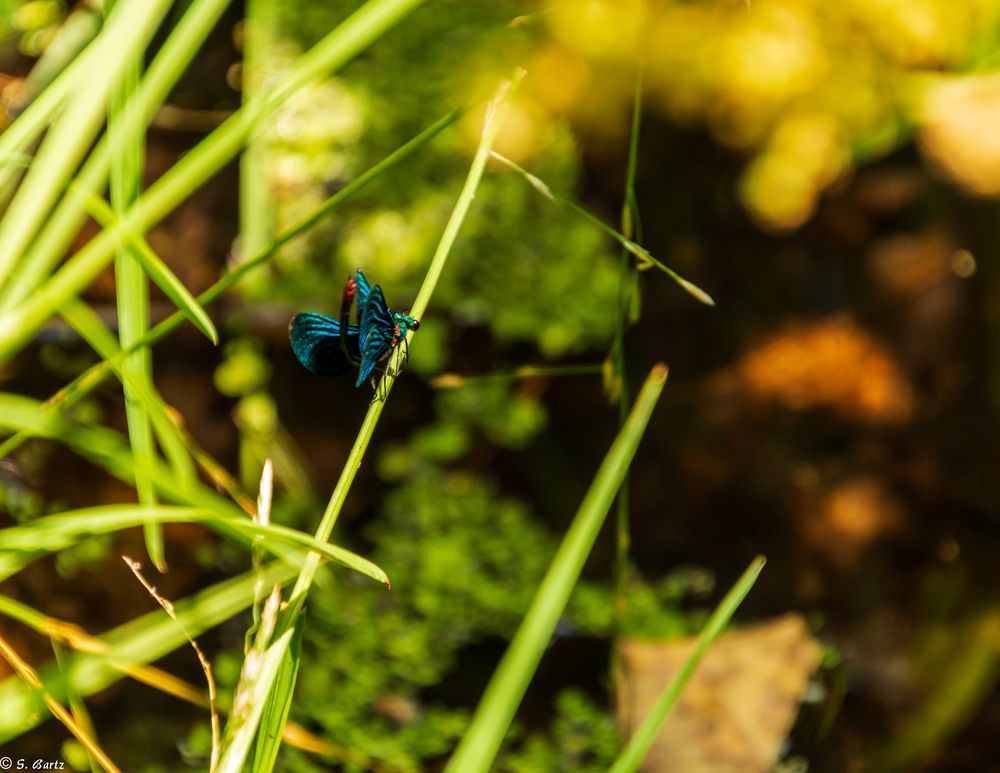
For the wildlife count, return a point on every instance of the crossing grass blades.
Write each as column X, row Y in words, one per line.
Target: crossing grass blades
column 329, row 347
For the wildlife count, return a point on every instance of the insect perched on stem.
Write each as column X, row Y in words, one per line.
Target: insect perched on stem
column 328, row 347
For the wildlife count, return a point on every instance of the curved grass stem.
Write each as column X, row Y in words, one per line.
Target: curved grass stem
column 646, row 260
column 417, row 310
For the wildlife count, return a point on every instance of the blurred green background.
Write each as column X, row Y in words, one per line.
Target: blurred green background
column 827, row 171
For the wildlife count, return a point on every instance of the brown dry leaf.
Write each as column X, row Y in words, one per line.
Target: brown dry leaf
column 739, row 706
column 833, row 363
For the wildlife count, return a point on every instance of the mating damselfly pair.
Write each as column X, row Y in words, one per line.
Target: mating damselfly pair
column 329, row 347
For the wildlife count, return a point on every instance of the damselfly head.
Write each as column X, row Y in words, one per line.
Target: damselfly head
column 405, row 322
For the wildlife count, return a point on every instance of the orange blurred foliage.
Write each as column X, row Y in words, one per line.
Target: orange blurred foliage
column 834, row 364
column 847, row 518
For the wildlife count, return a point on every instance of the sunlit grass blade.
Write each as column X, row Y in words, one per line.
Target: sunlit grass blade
column 645, row 258
column 256, row 199
column 171, row 60
column 503, row 695
column 52, row 533
column 140, row 641
column 639, row 744
column 33, row 681
column 19, row 324
column 29, row 125
column 62, row 633
column 260, row 29
column 108, row 450
column 93, row 330
column 179, row 447
column 77, row 706
column 296, row 538
column 50, row 627
column 121, row 42
column 279, row 703
column 158, row 271
column 264, row 658
column 104, row 448
column 180, row 451
column 132, row 292
column 244, row 727
column 90, row 379
column 73, row 35
column 20, row 545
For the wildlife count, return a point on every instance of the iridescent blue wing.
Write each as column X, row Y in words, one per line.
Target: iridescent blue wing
column 364, row 290
column 356, row 288
column 378, row 332
column 316, row 342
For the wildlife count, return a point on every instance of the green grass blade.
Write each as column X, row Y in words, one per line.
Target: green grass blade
column 104, row 448
column 645, row 258
column 256, row 200
column 619, row 385
column 132, row 292
column 360, row 30
column 493, row 716
column 120, row 44
column 279, row 703
column 295, row 538
column 76, row 703
column 440, row 257
column 108, row 450
column 29, row 616
column 29, row 125
column 19, row 545
column 243, row 725
column 178, row 450
column 76, row 33
column 92, row 329
column 52, row 533
column 638, row 746
column 158, row 271
column 963, row 681
column 138, row 642
column 166, row 68
column 93, row 376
